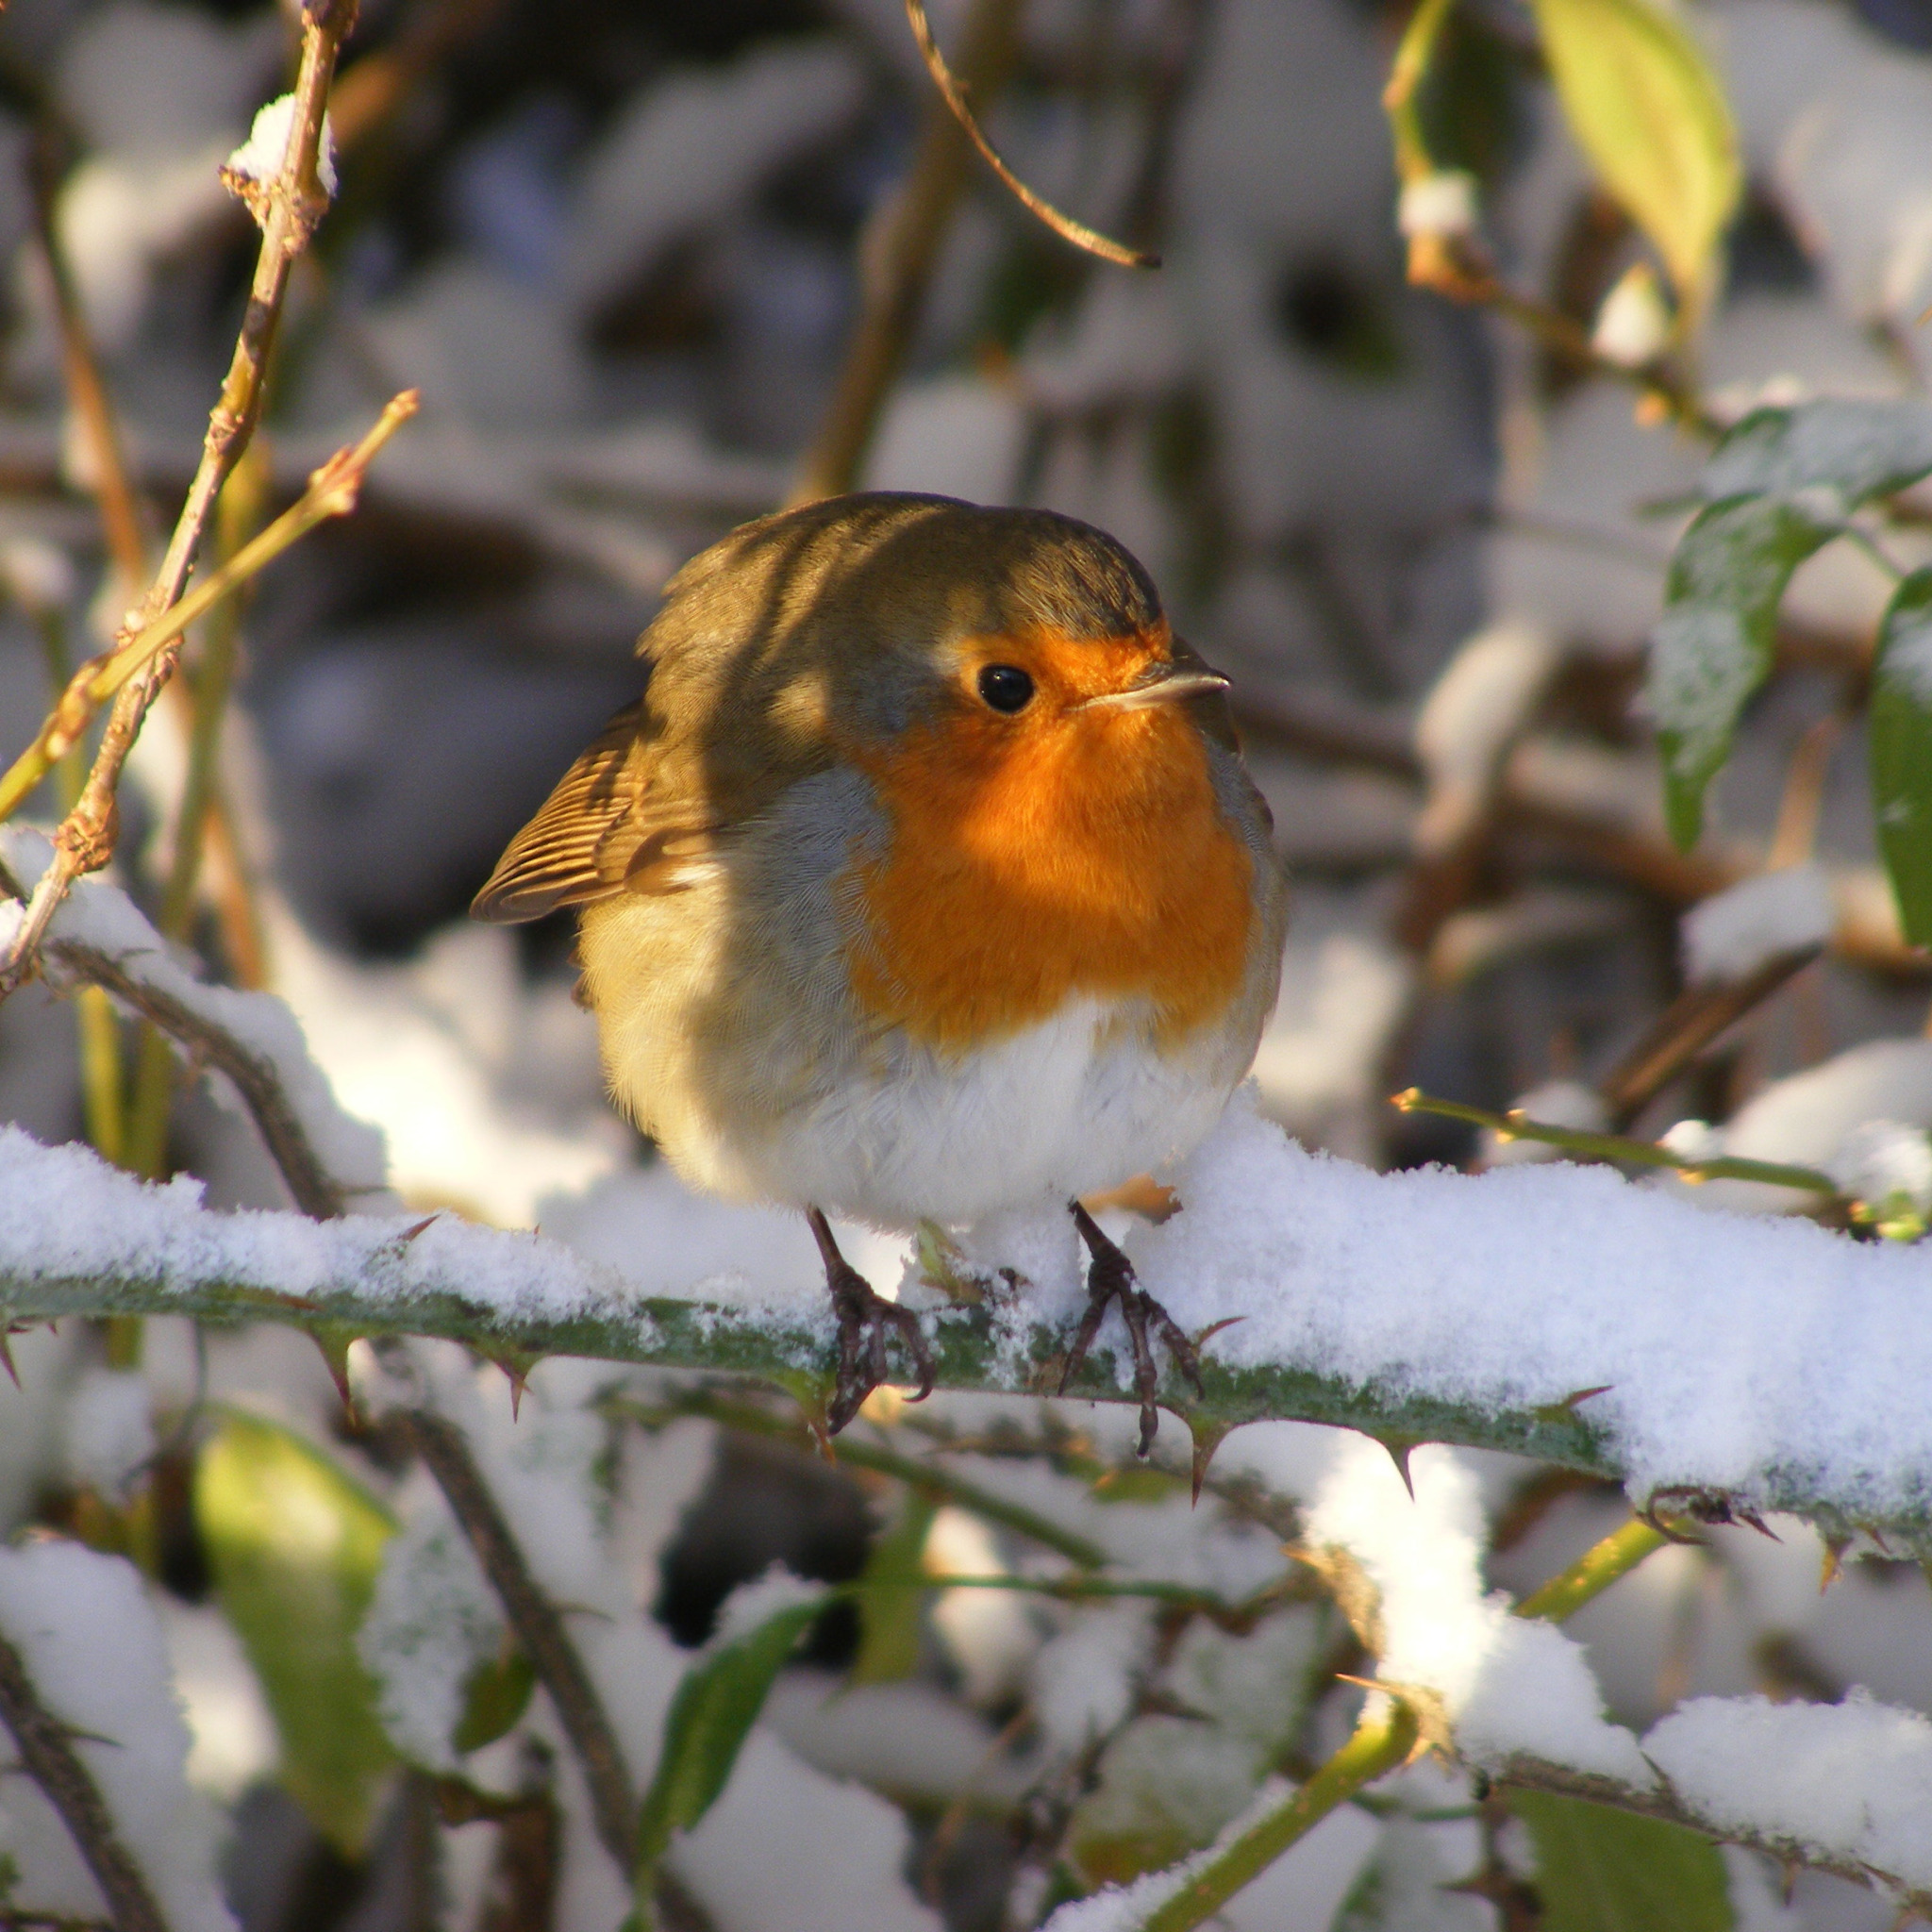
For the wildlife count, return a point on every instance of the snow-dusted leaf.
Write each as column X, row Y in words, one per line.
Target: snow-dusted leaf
column 890, row 1600
column 1855, row 449
column 295, row 1545
column 1647, row 111
column 1901, row 751
column 1712, row 647
column 1600, row 1870
column 714, row 1709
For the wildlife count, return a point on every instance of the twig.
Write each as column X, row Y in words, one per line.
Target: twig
column 51, row 1761
column 332, row 491
column 1601, row 1565
column 899, row 251
column 292, row 205
column 1516, row 1125
column 1079, row 233
column 238, row 515
column 1524, row 1773
column 538, row 1629
column 1690, row 1023
column 314, row 1191
column 1382, row 1739
column 87, row 389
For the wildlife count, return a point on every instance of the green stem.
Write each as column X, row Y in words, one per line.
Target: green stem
column 1406, row 76
column 1593, row 1572
column 1380, row 1742
column 1516, row 1125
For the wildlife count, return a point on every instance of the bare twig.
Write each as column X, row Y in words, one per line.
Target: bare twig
column 899, row 251
column 129, row 666
column 538, row 1629
column 87, row 389
column 1064, row 225
column 1689, row 1025
column 292, row 205
column 49, row 1758
column 315, row 1192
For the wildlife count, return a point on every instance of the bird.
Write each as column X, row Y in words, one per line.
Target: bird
column 924, row 881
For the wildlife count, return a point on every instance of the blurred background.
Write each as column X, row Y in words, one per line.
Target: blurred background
column 624, row 251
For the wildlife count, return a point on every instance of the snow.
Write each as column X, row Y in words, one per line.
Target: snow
column 108, row 1433
column 1556, row 1104
column 1633, row 326
column 101, row 916
column 758, row 1602
column 93, row 1651
column 432, row 1623
column 1479, row 705
column 260, row 157
column 1851, row 1781
column 1443, row 202
column 1773, row 1358
column 1508, row 1685
column 1082, row 1682
column 1730, row 935
column 1882, row 1161
column 1810, row 1119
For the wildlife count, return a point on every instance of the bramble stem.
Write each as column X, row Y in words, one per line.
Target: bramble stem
column 1382, row 1739
column 1593, row 1572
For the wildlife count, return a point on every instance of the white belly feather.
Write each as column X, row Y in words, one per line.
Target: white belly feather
column 1066, row 1108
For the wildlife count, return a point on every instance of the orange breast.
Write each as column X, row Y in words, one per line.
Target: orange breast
column 1084, row 856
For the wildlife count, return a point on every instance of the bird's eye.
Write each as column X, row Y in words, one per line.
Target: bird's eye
column 1005, row 687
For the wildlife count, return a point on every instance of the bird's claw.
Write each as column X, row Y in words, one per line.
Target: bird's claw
column 1110, row 1278
column 866, row 1319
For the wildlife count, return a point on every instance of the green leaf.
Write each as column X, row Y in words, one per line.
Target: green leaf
column 892, row 1597
column 1599, row 1870
column 1901, row 729
column 1648, row 112
column 709, row 1719
column 494, row 1698
column 295, row 1545
column 1714, row 644
column 1855, row 449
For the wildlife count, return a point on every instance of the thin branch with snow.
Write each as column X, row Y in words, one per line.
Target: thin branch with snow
column 49, row 1758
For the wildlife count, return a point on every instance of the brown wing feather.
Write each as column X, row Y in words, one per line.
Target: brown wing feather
column 564, row 856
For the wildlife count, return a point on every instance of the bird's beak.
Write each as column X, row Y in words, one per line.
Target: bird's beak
column 1164, row 684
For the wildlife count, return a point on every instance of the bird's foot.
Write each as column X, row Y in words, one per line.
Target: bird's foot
column 1110, row 1278
column 866, row 1320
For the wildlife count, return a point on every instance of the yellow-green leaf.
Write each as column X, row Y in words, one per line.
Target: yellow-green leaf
column 295, row 1544
column 1598, row 1869
column 1649, row 114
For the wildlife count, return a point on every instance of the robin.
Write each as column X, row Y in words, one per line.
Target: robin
column 925, row 880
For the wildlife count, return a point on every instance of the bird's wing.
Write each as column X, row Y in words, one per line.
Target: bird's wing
column 607, row 828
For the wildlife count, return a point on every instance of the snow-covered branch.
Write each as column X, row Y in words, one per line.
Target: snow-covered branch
column 1737, row 1363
